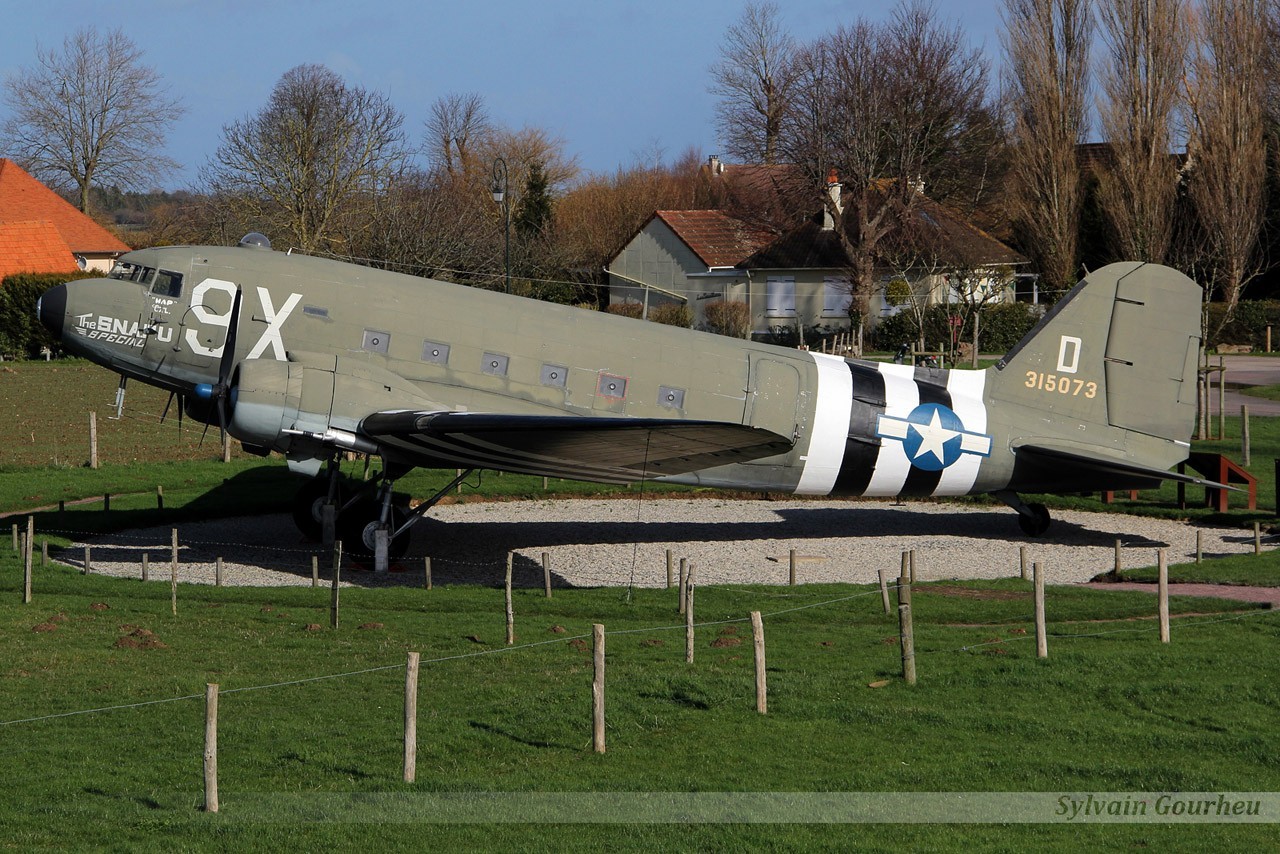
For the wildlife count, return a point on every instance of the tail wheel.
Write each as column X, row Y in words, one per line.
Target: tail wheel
column 1037, row 522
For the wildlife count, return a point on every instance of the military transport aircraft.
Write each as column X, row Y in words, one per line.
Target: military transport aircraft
column 312, row 357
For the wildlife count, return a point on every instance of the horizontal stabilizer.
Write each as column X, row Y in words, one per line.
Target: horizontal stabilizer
column 1119, row 473
column 617, row 450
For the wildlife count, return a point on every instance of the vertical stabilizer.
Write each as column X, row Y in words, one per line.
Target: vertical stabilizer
column 1120, row 350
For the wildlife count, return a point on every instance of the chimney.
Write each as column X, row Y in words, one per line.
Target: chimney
column 833, row 191
column 714, row 164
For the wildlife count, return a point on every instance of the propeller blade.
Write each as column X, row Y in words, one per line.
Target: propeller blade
column 229, row 346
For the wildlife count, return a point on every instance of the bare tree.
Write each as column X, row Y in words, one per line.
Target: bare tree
column 91, row 113
column 317, row 147
column 457, row 124
column 1227, row 151
column 1047, row 42
column 1142, row 79
column 754, row 78
column 886, row 110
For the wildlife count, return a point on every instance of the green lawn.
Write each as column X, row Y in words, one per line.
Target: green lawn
column 1110, row 710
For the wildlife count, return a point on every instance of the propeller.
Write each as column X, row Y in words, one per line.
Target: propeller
column 221, row 390
column 182, row 404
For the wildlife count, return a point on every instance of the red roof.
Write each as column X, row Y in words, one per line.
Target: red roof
column 717, row 238
column 33, row 247
column 24, row 199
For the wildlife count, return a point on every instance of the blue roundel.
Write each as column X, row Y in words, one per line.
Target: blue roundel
column 933, row 437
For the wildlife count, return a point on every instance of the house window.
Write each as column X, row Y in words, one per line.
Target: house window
column 780, row 296
column 837, row 296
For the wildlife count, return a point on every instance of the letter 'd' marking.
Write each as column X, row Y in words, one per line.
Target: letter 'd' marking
column 1069, row 346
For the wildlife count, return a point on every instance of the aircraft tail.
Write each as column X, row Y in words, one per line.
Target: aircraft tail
column 1111, row 368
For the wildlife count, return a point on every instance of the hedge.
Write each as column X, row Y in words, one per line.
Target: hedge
column 21, row 334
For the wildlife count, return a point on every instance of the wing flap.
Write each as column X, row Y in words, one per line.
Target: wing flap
column 611, row 450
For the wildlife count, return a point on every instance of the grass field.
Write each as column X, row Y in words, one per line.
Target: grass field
column 1110, row 710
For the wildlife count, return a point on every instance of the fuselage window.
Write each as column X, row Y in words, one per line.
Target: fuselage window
column 167, row 284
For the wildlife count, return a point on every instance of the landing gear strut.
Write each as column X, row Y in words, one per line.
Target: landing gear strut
column 361, row 514
column 1032, row 518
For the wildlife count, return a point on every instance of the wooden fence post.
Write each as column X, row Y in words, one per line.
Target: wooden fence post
column 411, row 718
column 146, row 569
column 93, row 440
column 597, row 688
column 757, row 636
column 15, row 536
column 173, row 573
column 1163, row 590
column 1199, row 545
column 546, row 573
column 26, row 571
column 884, row 592
column 337, row 575
column 1257, row 538
column 688, row 616
column 315, row 570
column 217, row 572
column 426, row 571
column 26, row 560
column 791, row 563
column 88, row 562
column 1022, row 562
column 211, row 747
column 511, row 617
column 684, row 588
column 1042, row 637
column 1116, row 569
column 669, row 569
column 160, row 497
column 907, row 640
column 911, row 562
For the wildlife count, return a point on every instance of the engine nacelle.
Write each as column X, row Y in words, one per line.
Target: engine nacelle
column 290, row 406
column 269, row 397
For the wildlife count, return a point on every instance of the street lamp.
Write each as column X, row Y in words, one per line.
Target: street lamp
column 500, row 196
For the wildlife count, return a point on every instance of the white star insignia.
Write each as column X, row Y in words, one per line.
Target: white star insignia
column 932, row 437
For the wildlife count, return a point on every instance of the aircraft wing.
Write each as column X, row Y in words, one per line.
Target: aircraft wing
column 1101, row 468
column 617, row 450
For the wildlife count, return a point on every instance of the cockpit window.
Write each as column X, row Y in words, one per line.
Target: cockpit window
column 167, row 284
column 132, row 273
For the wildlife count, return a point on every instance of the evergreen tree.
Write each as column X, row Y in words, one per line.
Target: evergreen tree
column 533, row 213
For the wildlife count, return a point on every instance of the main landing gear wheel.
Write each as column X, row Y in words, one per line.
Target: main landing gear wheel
column 358, row 527
column 308, row 505
column 1037, row 523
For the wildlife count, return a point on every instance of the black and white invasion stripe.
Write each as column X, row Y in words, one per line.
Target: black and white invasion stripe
column 845, row 455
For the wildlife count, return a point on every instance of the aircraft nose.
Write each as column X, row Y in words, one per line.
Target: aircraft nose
column 52, row 308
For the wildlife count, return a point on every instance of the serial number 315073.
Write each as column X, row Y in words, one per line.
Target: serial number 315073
column 1060, row 385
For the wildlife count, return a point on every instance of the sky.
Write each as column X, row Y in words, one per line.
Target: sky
column 616, row 81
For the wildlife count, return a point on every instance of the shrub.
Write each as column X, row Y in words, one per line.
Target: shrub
column 728, row 318
column 672, row 314
column 21, row 334
column 626, row 309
